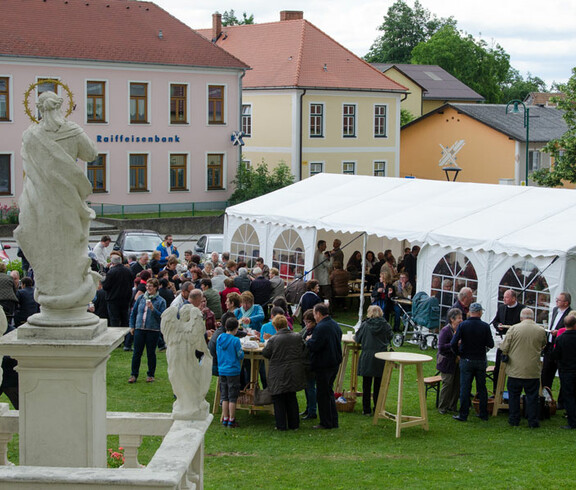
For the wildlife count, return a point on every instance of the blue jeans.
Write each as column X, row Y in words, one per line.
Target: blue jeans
column 530, row 386
column 471, row 369
column 310, row 392
column 148, row 339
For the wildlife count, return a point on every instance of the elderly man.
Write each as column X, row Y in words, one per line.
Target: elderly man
column 465, row 298
column 322, row 268
column 182, row 298
column 336, row 254
column 260, row 287
column 565, row 354
column 140, row 265
column 471, row 340
column 523, row 345
column 325, row 349
column 559, row 313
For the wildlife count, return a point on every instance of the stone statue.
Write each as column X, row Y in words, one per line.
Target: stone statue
column 184, row 335
column 54, row 217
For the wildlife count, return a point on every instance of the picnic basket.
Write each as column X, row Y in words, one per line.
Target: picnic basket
column 346, row 402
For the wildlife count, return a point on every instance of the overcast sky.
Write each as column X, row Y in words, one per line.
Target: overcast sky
column 539, row 36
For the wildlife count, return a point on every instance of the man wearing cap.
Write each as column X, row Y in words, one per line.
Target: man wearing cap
column 471, row 341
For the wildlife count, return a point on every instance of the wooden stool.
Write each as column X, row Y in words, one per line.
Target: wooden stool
column 350, row 347
column 500, row 385
column 433, row 383
column 399, row 360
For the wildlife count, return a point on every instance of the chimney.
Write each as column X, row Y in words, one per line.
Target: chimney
column 291, row 15
column 216, row 26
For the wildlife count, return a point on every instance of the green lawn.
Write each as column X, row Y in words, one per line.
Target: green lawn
column 451, row 454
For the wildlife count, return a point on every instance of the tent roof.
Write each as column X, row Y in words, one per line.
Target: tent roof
column 526, row 221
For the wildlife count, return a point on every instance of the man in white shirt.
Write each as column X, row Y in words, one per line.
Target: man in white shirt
column 182, row 298
column 100, row 251
column 559, row 312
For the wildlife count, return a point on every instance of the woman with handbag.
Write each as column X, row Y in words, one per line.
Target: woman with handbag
column 286, row 376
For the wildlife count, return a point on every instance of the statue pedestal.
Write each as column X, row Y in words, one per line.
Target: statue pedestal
column 62, row 395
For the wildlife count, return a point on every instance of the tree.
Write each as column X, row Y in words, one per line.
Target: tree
column 230, row 19
column 518, row 88
column 404, row 28
column 563, row 150
column 483, row 68
column 406, row 116
column 251, row 183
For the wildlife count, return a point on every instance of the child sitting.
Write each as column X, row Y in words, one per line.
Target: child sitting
column 268, row 329
column 230, row 355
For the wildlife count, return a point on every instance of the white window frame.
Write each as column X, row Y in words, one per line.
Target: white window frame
column 310, row 173
column 355, row 165
column 225, row 108
column 385, row 135
column 247, row 135
column 11, row 155
column 187, row 183
column 106, row 102
column 10, row 100
column 531, row 160
column 187, row 123
column 354, row 119
column 148, row 102
column 148, row 171
column 374, row 163
column 107, row 170
column 224, row 170
column 323, row 121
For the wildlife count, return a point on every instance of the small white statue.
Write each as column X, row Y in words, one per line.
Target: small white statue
column 190, row 378
column 54, row 217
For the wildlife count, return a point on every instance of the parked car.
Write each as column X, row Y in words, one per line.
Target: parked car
column 137, row 242
column 207, row 244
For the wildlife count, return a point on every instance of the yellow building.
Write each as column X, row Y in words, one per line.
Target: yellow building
column 488, row 145
column 311, row 103
column 430, row 87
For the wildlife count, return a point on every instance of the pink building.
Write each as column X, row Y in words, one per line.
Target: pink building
column 161, row 101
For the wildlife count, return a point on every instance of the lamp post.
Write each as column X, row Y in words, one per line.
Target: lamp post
column 448, row 169
column 515, row 110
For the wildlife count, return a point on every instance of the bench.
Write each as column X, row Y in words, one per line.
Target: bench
column 433, row 383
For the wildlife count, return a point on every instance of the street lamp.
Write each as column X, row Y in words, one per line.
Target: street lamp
column 515, row 110
column 448, row 169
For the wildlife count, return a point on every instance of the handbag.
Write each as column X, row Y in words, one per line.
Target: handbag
column 262, row 396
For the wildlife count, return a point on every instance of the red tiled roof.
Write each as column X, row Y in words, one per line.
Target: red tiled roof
column 295, row 53
column 104, row 30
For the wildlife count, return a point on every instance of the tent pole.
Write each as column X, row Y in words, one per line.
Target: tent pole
column 361, row 308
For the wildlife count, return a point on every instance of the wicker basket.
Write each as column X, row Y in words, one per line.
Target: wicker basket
column 347, row 406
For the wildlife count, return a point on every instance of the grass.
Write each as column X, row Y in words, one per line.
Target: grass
column 164, row 214
column 359, row 454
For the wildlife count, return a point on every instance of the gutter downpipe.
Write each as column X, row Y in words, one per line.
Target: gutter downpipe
column 301, row 136
column 240, row 116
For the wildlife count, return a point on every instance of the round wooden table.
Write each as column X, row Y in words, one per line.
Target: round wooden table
column 399, row 360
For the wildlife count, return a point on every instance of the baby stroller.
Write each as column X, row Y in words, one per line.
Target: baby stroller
column 422, row 323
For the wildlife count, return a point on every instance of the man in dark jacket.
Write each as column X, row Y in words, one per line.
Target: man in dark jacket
column 470, row 342
column 118, row 287
column 27, row 305
column 325, row 357
column 260, row 287
column 565, row 354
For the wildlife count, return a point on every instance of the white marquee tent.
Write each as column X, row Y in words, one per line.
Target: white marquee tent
column 495, row 226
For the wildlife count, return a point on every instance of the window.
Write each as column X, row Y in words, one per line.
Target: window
column 349, row 121
column 5, row 175
column 348, row 168
column 138, row 103
column 533, row 160
column 95, row 103
column 4, row 99
column 245, row 245
column 215, row 104
column 288, row 254
column 215, row 170
column 316, row 120
column 178, row 173
column 316, row 168
column 379, row 169
column 138, row 173
column 178, row 96
column 451, row 274
column 247, row 119
column 96, row 173
column 380, row 121
column 528, row 281
column 46, row 85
